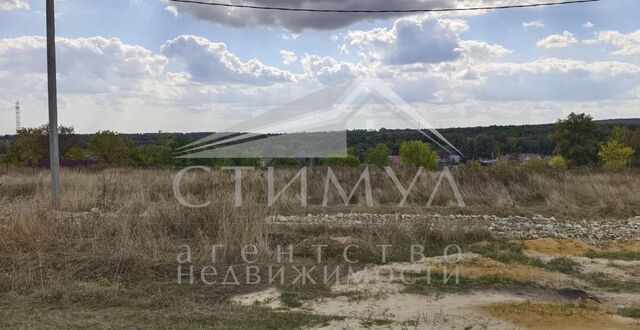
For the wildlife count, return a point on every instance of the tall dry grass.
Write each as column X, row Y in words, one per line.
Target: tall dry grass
column 126, row 222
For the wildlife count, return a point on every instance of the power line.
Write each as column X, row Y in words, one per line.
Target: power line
column 545, row 4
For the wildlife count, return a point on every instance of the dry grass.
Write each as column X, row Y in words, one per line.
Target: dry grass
column 140, row 224
column 575, row 315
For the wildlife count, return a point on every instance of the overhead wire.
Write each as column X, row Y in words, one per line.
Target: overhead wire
column 417, row 10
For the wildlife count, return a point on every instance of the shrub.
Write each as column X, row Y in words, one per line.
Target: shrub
column 536, row 164
column 557, row 162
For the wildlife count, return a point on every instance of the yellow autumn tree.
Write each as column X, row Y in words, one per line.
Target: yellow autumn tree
column 615, row 156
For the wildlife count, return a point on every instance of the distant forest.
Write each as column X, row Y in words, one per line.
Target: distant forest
column 474, row 142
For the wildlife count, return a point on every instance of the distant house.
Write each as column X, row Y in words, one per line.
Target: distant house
column 395, row 160
column 525, row 158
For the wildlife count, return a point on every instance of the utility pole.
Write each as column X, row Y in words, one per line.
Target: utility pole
column 54, row 152
column 18, row 121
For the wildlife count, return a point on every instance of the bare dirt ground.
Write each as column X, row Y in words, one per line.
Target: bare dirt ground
column 568, row 276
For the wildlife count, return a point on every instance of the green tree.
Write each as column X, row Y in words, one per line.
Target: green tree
column 418, row 153
column 634, row 142
column 159, row 153
column 76, row 154
column 576, row 139
column 378, row 155
column 621, row 134
column 512, row 144
column 113, row 149
column 615, row 156
column 32, row 143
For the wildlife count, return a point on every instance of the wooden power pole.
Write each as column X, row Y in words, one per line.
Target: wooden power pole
column 54, row 151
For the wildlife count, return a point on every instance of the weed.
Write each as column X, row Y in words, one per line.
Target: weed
column 564, row 265
column 617, row 255
column 632, row 311
column 368, row 323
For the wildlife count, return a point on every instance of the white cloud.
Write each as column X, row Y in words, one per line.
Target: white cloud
column 627, row 44
column 91, row 65
column 13, row 4
column 587, row 25
column 172, row 9
column 412, row 40
column 210, row 62
column 288, row 57
column 328, row 70
column 534, row 24
column 480, row 50
column 557, row 40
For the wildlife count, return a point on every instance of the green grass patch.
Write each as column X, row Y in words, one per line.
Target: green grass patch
column 428, row 283
column 617, row 255
column 633, row 312
column 606, row 282
column 564, row 265
column 368, row 323
column 505, row 252
column 161, row 305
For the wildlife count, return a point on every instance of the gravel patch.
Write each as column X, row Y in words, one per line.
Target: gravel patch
column 510, row 227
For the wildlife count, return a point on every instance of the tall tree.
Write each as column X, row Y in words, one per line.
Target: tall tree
column 576, row 139
column 32, row 143
column 378, row 155
column 113, row 149
column 418, row 153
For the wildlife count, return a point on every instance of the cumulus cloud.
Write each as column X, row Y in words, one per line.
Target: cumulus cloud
column 557, row 80
column 422, row 40
column 13, row 4
column 299, row 21
column 412, row 40
column 480, row 50
column 534, row 24
column 211, row 62
column 93, row 64
column 328, row 70
column 557, row 40
column 288, row 57
column 627, row 44
column 587, row 25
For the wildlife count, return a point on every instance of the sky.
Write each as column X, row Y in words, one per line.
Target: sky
column 152, row 65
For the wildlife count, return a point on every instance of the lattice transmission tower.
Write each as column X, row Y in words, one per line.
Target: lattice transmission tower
column 18, row 120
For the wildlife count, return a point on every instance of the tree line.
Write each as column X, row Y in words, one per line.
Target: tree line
column 574, row 141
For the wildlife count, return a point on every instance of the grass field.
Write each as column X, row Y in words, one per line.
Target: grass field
column 107, row 258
